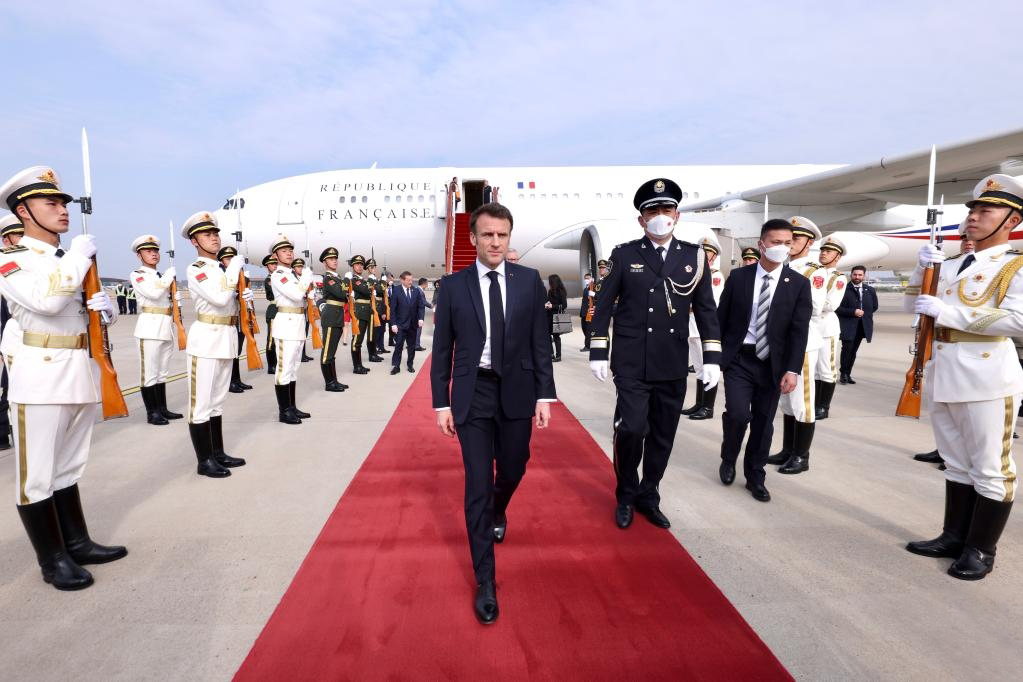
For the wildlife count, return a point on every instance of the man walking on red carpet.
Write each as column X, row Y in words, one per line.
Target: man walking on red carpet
column 491, row 375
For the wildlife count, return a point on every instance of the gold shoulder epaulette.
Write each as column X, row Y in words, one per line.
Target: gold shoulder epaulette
column 14, row 248
column 198, row 264
column 1015, row 252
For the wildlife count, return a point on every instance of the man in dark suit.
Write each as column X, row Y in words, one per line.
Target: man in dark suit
column 408, row 308
column 655, row 280
column 765, row 316
column 856, row 315
column 491, row 375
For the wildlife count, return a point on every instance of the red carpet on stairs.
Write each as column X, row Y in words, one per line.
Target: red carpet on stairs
column 386, row 591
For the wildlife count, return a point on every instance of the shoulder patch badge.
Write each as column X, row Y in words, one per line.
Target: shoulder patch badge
column 818, row 282
column 840, row 284
column 717, row 281
column 139, row 279
column 201, row 277
column 284, row 280
column 9, row 268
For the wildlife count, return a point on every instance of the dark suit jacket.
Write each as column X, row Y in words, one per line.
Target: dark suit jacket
column 847, row 312
column 459, row 334
column 788, row 322
column 406, row 313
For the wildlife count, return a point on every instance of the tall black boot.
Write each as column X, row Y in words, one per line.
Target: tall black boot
column 294, row 407
column 43, row 528
column 305, row 356
column 76, row 534
column 699, row 400
column 788, row 434
column 286, row 415
column 217, row 437
column 153, row 414
column 825, row 392
column 986, row 526
column 960, row 500
column 357, row 367
column 202, row 442
column 333, row 375
column 271, row 355
column 706, row 410
column 161, row 394
column 329, row 383
column 235, row 386
column 802, row 440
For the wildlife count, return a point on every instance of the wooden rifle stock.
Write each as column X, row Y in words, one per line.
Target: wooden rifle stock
column 373, row 305
column 351, row 308
column 99, row 349
column 591, row 305
column 314, row 317
column 912, row 390
column 176, row 315
column 246, row 320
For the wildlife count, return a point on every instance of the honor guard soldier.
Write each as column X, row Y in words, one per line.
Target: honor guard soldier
column 53, row 393
column 974, row 377
column 212, row 344
column 11, row 232
column 750, row 256
column 224, row 257
column 270, row 263
column 379, row 291
column 798, row 406
column 362, row 315
column 703, row 408
column 655, row 280
column 290, row 292
column 332, row 318
column 298, row 267
column 832, row 250
column 154, row 330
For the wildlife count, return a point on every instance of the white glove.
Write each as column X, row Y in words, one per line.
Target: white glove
column 84, row 245
column 247, row 295
column 591, row 293
column 177, row 297
column 929, row 253
column 599, row 369
column 234, row 268
column 169, row 275
column 311, row 295
column 929, row 305
column 394, row 328
column 100, row 302
column 710, row 376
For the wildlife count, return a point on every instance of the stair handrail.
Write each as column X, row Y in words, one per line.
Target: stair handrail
column 449, row 248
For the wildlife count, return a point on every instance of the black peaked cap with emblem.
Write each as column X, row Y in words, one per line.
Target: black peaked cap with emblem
column 750, row 252
column 657, row 192
column 329, row 252
column 227, row 252
column 269, row 260
column 298, row 262
column 357, row 260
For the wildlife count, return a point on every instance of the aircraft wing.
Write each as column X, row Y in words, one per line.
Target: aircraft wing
column 899, row 179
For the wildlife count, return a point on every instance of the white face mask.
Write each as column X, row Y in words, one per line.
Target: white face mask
column 660, row 225
column 777, row 254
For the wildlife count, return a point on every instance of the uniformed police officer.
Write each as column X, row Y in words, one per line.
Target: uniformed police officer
column 750, row 256
column 154, row 330
column 121, row 291
column 832, row 249
column 11, row 232
column 332, row 318
column 133, row 306
column 797, row 406
column 270, row 263
column 290, row 293
column 703, row 408
column 655, row 280
column 52, row 389
column 224, row 256
column 974, row 378
column 362, row 315
column 212, row 344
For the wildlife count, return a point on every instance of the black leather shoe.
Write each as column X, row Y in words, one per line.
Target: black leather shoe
column 235, row 388
column 843, row 378
column 485, row 604
column 820, row 413
column 500, row 527
column 623, row 515
column 375, row 358
column 300, row 414
column 80, row 546
column 849, row 379
column 703, row 413
column 162, row 396
column 288, row 416
column 43, row 528
column 395, row 370
column 945, row 545
column 727, row 473
column 654, row 516
column 780, row 457
column 931, row 457
column 759, row 492
column 360, row 370
column 584, row 349
column 306, row 358
column 155, row 418
column 797, row 464
column 244, row 386
column 227, row 461
column 210, row 467
column 411, row 369
column 974, row 564
column 420, row 349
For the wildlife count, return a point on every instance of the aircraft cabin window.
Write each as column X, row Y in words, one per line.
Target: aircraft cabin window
column 387, row 199
column 408, row 199
column 341, row 199
column 608, row 195
column 620, row 195
column 576, row 195
column 696, row 195
column 564, row 196
column 421, row 199
column 522, row 196
column 554, row 196
column 532, row 196
column 365, row 199
column 685, row 195
column 397, row 199
column 352, row 200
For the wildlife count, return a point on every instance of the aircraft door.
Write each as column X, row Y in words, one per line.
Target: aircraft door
column 290, row 210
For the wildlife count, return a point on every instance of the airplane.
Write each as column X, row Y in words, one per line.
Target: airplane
column 567, row 218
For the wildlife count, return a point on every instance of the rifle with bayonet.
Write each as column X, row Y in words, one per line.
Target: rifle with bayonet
column 175, row 305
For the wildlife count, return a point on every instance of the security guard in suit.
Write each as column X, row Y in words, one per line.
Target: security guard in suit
column 291, row 291
column 750, row 256
column 332, row 318
column 798, row 406
column 362, row 313
column 53, row 393
column 270, row 263
column 154, row 330
column 703, row 408
column 974, row 379
column 832, row 250
column 212, row 344
column 224, row 257
column 656, row 280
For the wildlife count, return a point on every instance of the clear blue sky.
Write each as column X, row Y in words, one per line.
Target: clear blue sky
column 187, row 101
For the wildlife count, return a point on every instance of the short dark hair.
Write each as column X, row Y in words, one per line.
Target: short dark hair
column 494, row 210
column 405, row 274
column 774, row 224
column 860, row 267
column 588, row 274
column 422, row 281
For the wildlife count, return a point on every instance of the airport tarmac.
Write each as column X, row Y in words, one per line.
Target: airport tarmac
column 820, row 572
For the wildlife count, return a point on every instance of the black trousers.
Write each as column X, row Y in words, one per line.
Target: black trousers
column 133, row 306
column 122, row 305
column 331, row 338
column 364, row 326
column 5, row 417
column 378, row 334
column 405, row 337
column 751, row 399
column 646, row 417
column 849, row 349
column 271, row 347
column 586, row 331
column 488, row 436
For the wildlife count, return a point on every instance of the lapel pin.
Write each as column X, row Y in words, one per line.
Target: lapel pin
column 786, row 279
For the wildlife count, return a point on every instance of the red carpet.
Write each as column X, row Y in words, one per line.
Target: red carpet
column 386, row 591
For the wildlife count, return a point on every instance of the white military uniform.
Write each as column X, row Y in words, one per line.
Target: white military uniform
column 973, row 383
column 53, row 390
column 800, row 402
column 717, row 282
column 290, row 294
column 154, row 330
column 212, row 338
column 829, row 327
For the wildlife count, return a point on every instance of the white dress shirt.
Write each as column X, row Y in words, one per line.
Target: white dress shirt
column 751, row 331
column 481, row 272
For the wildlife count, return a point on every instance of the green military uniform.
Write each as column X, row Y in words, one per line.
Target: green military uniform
column 332, row 320
column 362, row 312
column 271, row 313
